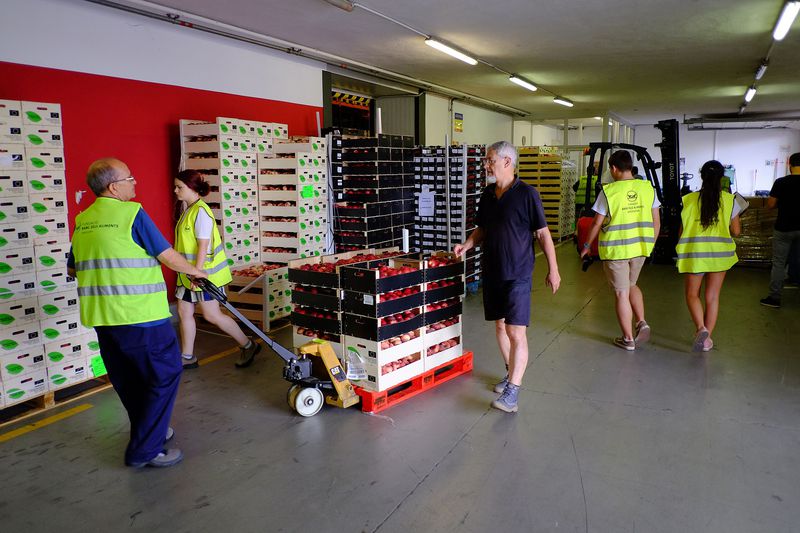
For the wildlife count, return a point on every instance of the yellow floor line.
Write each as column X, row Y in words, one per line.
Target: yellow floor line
column 212, row 358
column 44, row 422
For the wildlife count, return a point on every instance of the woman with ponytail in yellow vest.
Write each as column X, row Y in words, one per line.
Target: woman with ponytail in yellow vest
column 706, row 249
column 197, row 239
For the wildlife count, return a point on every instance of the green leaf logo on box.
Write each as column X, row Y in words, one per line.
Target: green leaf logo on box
column 48, row 285
column 36, row 185
column 35, row 139
column 51, row 333
column 37, row 162
column 5, row 268
column 223, row 128
column 94, row 345
column 47, row 261
column 33, row 116
column 55, row 356
column 14, row 368
column 3, row 241
column 5, row 294
column 58, row 379
column 225, row 145
column 8, row 344
column 50, row 309
column 15, row 394
column 2, row 215
column 40, row 230
column 6, row 319
column 39, row 208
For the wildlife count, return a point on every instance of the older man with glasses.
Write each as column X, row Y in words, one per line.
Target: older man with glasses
column 510, row 216
column 116, row 255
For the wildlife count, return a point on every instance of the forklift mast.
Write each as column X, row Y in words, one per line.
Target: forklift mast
column 671, row 203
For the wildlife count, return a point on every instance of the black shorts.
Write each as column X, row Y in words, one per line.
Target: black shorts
column 509, row 300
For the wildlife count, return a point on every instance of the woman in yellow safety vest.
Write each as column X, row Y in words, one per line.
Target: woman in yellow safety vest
column 706, row 250
column 197, row 238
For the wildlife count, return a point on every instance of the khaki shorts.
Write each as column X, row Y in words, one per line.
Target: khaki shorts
column 622, row 274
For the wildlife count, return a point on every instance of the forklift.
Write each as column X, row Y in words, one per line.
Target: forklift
column 316, row 375
column 668, row 190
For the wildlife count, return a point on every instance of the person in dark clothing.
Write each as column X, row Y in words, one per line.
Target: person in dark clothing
column 785, row 196
column 510, row 216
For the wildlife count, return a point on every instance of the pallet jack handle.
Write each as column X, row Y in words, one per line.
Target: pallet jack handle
column 217, row 293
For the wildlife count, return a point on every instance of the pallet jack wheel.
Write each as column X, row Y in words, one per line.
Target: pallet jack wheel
column 291, row 394
column 308, row 401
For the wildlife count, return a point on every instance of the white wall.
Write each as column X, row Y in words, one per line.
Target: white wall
column 536, row 134
column 747, row 150
column 481, row 126
column 79, row 36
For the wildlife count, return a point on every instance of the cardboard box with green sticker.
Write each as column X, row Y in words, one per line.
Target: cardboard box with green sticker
column 66, row 350
column 47, row 181
column 24, row 388
column 67, row 374
column 14, row 209
column 48, row 204
column 96, row 366
column 44, row 159
column 54, row 280
column 18, row 287
column 16, row 262
column 51, row 255
column 12, row 157
column 20, row 337
column 43, row 136
column 41, row 114
column 56, row 304
column 11, row 112
column 21, row 363
column 49, row 228
column 16, row 312
column 13, row 183
column 17, row 235
column 61, row 327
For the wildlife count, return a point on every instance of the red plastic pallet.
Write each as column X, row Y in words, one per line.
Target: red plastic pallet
column 375, row 402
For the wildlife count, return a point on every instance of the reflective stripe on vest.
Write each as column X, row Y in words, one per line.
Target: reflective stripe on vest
column 118, row 282
column 705, row 250
column 216, row 263
column 631, row 231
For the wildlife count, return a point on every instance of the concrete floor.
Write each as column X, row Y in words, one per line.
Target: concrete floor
column 660, row 440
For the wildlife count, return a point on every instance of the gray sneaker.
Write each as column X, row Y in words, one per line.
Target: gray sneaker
column 247, row 355
column 500, row 386
column 642, row 332
column 508, row 399
column 164, row 459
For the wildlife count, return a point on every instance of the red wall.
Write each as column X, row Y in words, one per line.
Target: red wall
column 136, row 122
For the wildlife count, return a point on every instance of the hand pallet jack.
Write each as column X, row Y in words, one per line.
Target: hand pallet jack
column 308, row 390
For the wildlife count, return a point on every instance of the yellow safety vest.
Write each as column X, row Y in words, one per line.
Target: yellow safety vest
column 119, row 283
column 630, row 233
column 216, row 263
column 706, row 250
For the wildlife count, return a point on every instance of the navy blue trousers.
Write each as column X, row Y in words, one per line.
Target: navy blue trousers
column 144, row 366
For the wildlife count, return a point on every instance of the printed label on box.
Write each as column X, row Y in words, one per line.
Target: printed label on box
column 12, row 157
column 44, row 159
column 47, row 181
column 25, row 387
column 62, row 327
column 53, row 281
column 49, row 229
column 14, row 210
column 16, row 312
column 52, row 255
column 10, row 134
column 17, row 235
column 42, row 136
column 40, row 113
column 11, row 112
column 18, row 287
column 57, row 304
column 48, row 204
column 13, row 183
column 14, row 365
column 16, row 262
column 19, row 337
column 74, row 348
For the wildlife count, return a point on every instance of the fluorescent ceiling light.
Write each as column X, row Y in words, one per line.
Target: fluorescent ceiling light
column 598, row 118
column 522, row 83
column 742, row 108
column 563, row 101
column 762, row 68
column 751, row 92
column 433, row 43
column 788, row 14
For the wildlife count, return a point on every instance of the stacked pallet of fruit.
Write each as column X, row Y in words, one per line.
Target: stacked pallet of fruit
column 444, row 291
column 316, row 294
column 377, row 192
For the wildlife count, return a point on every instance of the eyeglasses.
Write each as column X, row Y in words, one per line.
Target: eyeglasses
column 129, row 178
column 487, row 161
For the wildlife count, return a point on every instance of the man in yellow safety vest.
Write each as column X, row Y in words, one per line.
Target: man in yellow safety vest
column 116, row 255
column 627, row 220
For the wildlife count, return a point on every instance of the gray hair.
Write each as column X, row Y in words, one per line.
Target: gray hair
column 504, row 149
column 101, row 174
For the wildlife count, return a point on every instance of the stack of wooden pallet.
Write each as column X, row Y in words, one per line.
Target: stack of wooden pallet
column 540, row 166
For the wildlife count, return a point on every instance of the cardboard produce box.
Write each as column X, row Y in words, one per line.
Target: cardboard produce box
column 52, row 255
column 16, row 262
column 17, row 235
column 57, row 304
column 61, row 327
column 43, row 136
column 50, row 229
column 10, row 134
column 20, row 337
column 53, row 281
column 64, row 351
column 18, row 287
column 48, row 204
column 25, row 387
column 13, row 183
column 11, row 112
column 12, row 157
column 67, row 374
column 16, row 312
column 40, row 113
column 21, row 363
column 14, row 210
column 44, row 159
column 47, row 181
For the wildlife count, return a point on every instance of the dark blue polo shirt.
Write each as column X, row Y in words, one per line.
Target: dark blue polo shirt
column 509, row 224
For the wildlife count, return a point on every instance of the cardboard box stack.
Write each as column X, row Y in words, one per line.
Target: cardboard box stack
column 377, row 192
column 38, row 301
column 442, row 221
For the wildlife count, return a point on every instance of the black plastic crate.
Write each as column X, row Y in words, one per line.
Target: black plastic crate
column 444, row 272
column 367, row 154
column 432, row 317
column 379, row 181
column 359, row 279
column 364, row 223
column 362, row 142
column 444, row 293
column 369, row 328
column 362, row 238
column 324, row 298
column 313, row 322
column 367, row 304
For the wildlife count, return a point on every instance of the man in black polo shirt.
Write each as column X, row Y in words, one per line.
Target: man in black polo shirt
column 785, row 195
column 510, row 215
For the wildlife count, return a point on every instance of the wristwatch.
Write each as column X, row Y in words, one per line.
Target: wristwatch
column 587, row 245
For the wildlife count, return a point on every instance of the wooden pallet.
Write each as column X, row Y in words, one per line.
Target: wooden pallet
column 375, row 402
column 52, row 399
